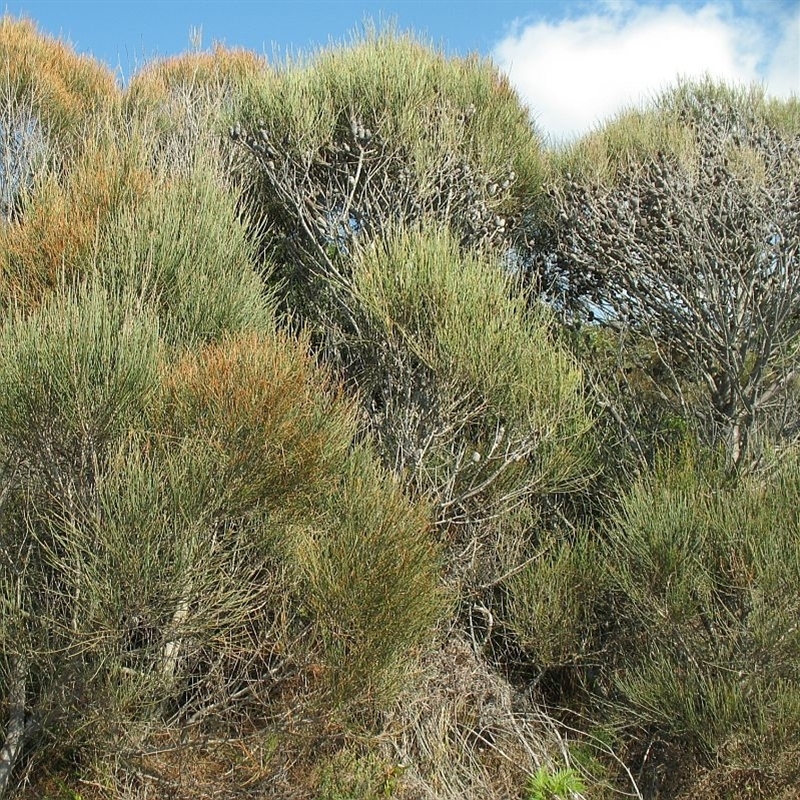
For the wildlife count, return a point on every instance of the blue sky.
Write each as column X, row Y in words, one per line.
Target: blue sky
column 126, row 31
column 573, row 62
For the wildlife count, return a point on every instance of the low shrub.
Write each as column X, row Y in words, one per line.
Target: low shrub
column 709, row 571
column 553, row 602
column 370, row 574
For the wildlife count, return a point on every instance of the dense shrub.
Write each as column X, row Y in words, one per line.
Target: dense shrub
column 275, row 425
column 77, row 375
column 471, row 401
column 65, row 216
column 183, row 253
column 371, row 576
column 710, row 575
column 553, row 602
column 164, row 519
column 386, row 133
column 300, row 490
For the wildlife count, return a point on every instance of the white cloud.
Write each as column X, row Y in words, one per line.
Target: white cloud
column 782, row 72
column 577, row 72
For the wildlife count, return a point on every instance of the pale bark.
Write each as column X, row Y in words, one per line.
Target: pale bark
column 17, row 725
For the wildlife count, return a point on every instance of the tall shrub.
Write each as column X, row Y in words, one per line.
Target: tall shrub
column 471, row 400
column 679, row 227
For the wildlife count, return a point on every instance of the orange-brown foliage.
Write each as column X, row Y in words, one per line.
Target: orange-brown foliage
column 217, row 70
column 70, row 98
column 64, row 220
column 274, row 421
column 64, row 88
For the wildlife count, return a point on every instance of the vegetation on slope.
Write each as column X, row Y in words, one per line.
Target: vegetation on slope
column 354, row 446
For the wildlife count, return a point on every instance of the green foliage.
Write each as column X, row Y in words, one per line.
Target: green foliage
column 67, row 793
column 156, row 519
column 632, row 137
column 552, row 602
column 469, row 392
column 370, row 573
column 455, row 313
column 415, row 97
column 216, row 517
column 710, row 573
column 183, row 253
column 560, row 784
column 349, row 776
column 637, row 414
column 336, row 149
column 76, row 374
column 590, row 755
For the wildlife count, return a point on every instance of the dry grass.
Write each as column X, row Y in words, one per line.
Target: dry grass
column 460, row 733
column 463, row 733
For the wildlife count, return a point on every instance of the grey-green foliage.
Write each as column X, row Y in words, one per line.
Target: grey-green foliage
column 361, row 569
column 176, row 597
column 184, row 253
column 74, row 374
column 367, row 170
column 144, row 605
column 710, row 574
column 468, row 395
column 552, row 602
